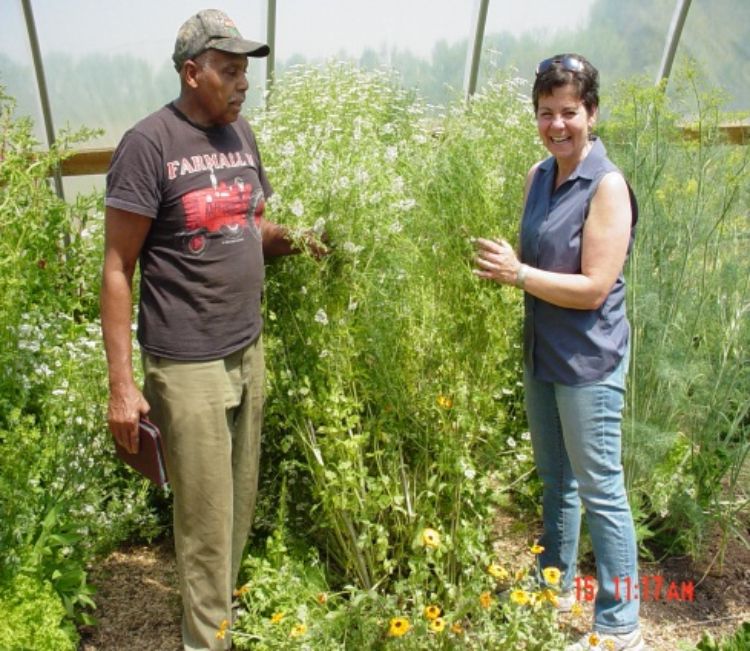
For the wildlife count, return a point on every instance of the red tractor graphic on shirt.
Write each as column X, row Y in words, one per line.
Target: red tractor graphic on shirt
column 226, row 212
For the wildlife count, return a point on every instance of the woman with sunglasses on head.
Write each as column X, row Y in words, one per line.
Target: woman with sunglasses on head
column 576, row 232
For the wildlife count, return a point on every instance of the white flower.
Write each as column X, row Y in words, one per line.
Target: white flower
column 351, row 247
column 526, row 436
column 361, row 176
column 391, row 153
column 511, row 442
column 319, row 226
column 405, row 204
column 352, row 305
column 342, row 183
column 297, row 208
column 45, row 370
column 395, row 227
column 288, row 149
column 321, row 317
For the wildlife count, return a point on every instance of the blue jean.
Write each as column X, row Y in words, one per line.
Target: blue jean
column 576, row 436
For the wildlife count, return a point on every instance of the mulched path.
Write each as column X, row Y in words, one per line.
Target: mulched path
column 138, row 602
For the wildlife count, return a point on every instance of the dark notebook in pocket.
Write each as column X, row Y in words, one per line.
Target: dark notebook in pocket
column 149, row 460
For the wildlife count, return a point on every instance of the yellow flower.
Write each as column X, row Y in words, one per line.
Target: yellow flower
column 497, row 571
column 298, row 631
column 242, row 590
column 520, row 597
column 456, row 628
column 437, row 625
column 444, row 401
column 576, row 609
column 594, row 640
column 536, row 549
column 398, row 626
column 223, row 628
column 432, row 612
column 549, row 595
column 430, row 538
column 485, row 599
column 609, row 645
column 276, row 618
column 551, row 575
column 322, row 598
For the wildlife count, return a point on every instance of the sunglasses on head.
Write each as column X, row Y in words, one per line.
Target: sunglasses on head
column 569, row 63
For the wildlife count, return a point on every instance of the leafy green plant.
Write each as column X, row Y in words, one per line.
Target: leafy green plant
column 63, row 496
column 34, row 618
column 739, row 641
column 393, row 372
column 287, row 603
column 687, row 435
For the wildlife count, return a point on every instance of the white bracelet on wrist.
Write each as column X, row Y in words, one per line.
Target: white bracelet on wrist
column 521, row 276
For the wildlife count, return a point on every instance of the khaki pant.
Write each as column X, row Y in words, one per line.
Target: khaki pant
column 210, row 415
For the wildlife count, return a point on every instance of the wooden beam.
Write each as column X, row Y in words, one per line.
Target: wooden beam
column 96, row 161
column 736, row 133
column 87, row 161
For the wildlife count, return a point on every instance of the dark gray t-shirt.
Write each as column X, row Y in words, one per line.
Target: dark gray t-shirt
column 202, row 261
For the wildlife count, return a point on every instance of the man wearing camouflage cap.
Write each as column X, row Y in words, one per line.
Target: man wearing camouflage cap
column 185, row 200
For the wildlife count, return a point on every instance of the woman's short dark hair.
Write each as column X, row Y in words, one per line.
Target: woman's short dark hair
column 563, row 70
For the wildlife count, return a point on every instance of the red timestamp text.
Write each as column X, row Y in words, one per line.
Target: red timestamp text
column 649, row 587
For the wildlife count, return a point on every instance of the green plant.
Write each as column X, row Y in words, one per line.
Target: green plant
column 34, row 618
column 287, row 604
column 687, row 422
column 393, row 372
column 739, row 641
column 63, row 496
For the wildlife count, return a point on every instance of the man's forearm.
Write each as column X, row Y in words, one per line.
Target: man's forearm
column 116, row 313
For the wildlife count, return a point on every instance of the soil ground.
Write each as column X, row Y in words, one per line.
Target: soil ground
column 139, row 605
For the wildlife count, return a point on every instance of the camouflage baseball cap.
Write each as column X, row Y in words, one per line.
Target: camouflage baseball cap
column 212, row 29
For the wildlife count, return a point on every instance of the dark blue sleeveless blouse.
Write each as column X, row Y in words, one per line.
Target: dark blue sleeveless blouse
column 565, row 345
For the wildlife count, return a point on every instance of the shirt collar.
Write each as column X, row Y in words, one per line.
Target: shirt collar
column 587, row 167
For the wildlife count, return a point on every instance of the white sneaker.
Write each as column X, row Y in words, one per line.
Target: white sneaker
column 609, row 642
column 565, row 601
